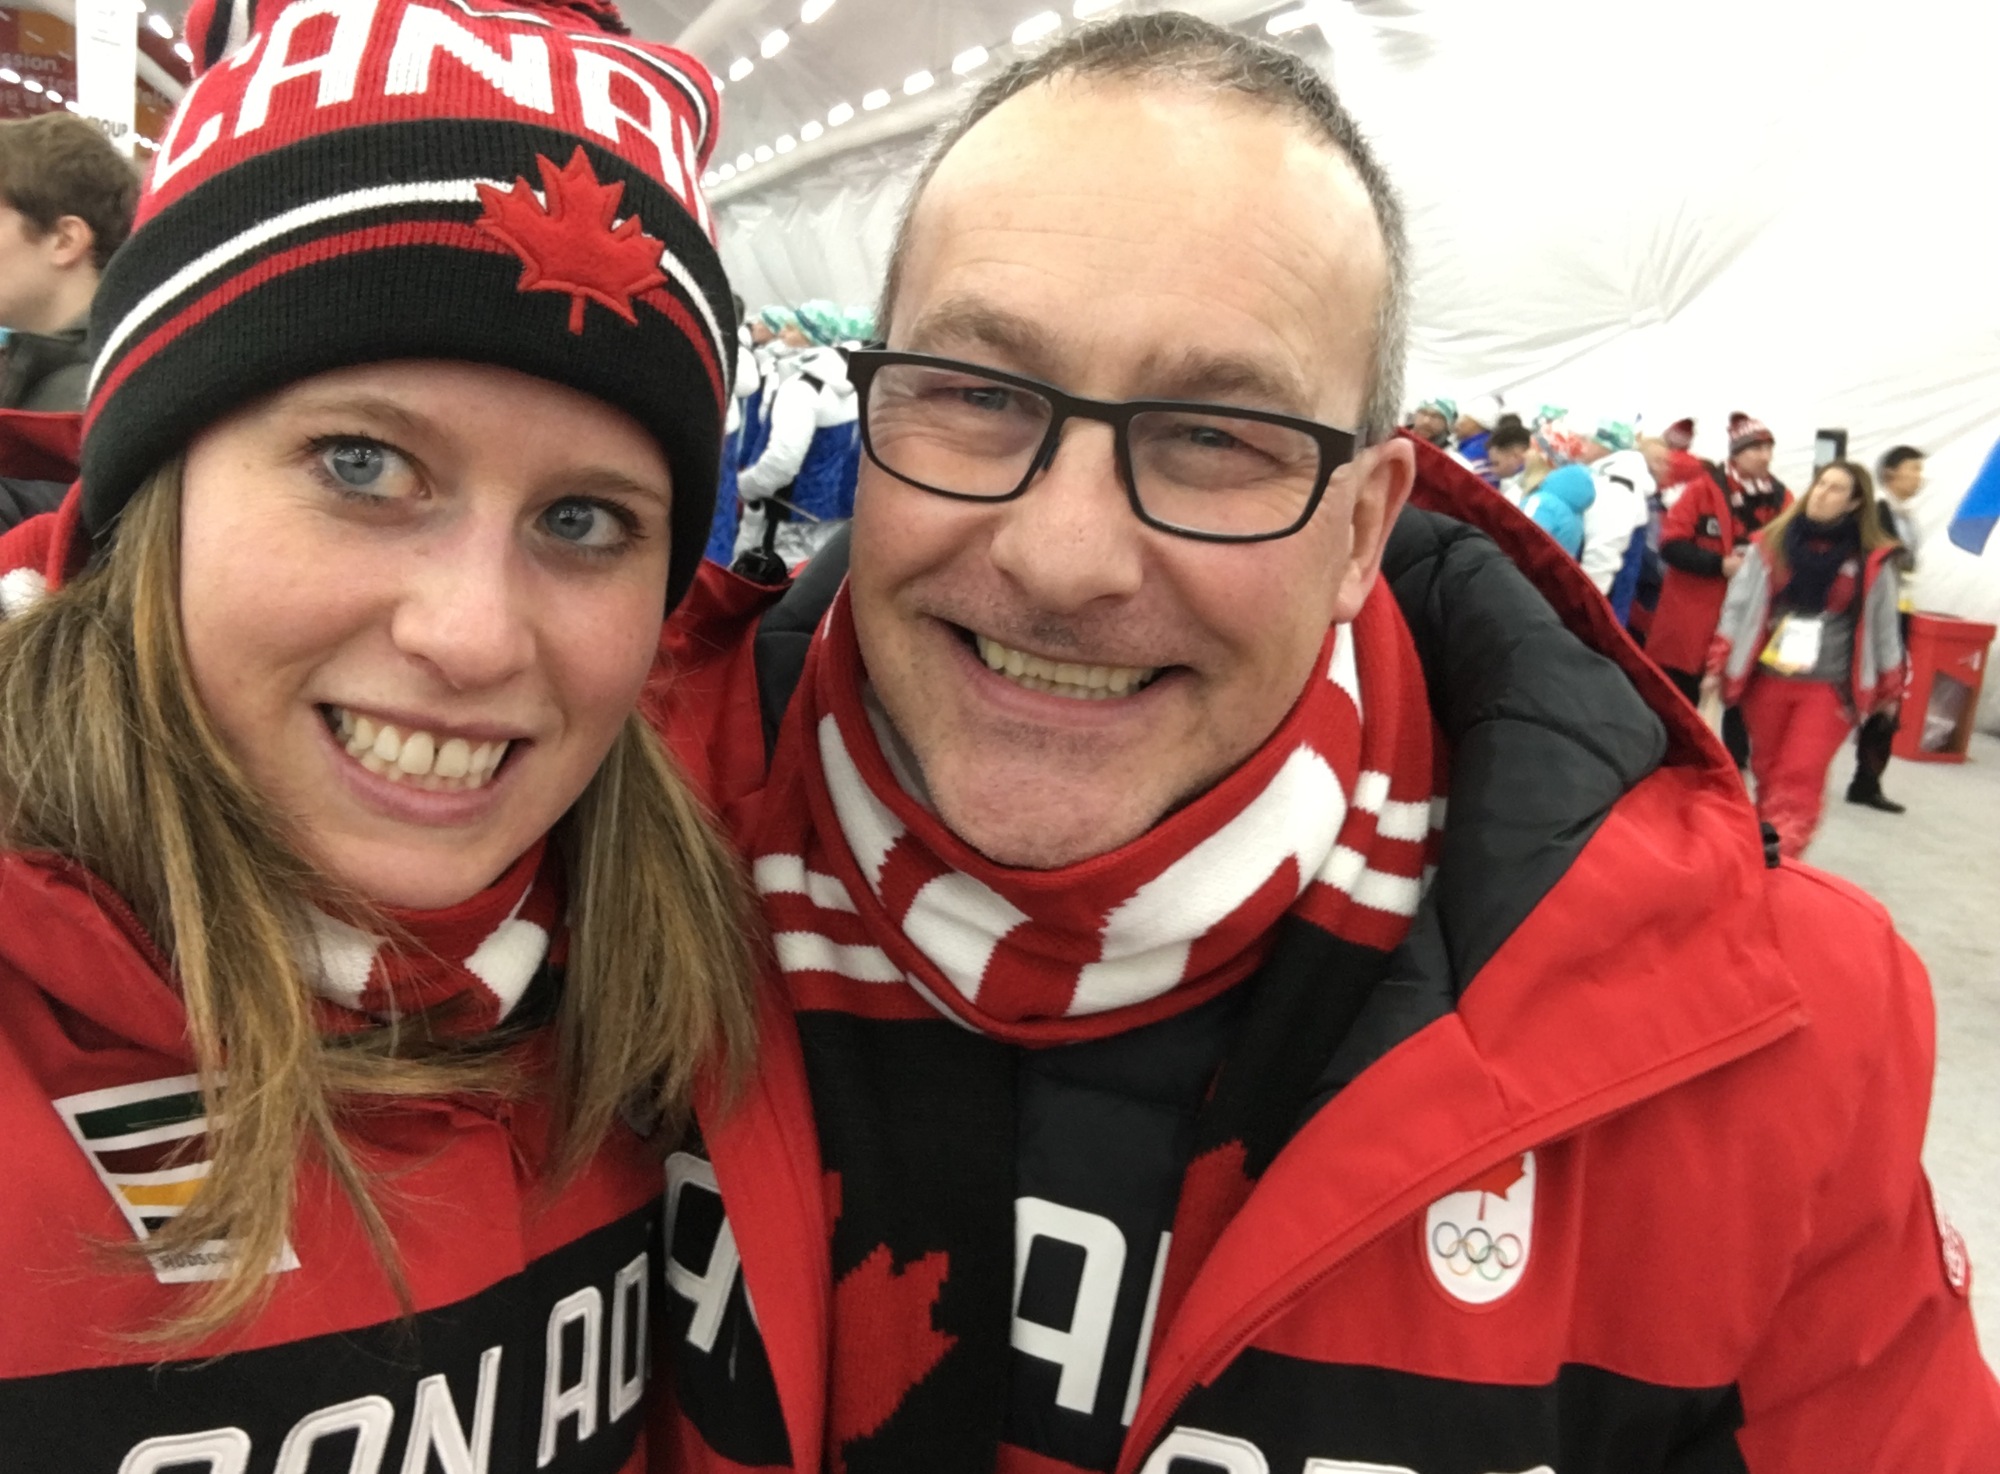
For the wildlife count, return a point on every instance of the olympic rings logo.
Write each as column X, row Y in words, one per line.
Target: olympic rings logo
column 1475, row 1250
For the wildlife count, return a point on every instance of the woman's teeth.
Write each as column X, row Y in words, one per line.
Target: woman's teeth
column 417, row 758
column 1080, row 682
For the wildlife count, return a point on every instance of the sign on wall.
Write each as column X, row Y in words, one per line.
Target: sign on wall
column 107, row 57
column 41, row 48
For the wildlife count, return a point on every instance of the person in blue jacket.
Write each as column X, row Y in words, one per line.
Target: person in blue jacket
column 1558, row 504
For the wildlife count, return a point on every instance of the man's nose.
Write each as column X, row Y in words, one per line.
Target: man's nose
column 466, row 610
column 1072, row 537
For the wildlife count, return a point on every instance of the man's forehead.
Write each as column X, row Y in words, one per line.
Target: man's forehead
column 1222, row 226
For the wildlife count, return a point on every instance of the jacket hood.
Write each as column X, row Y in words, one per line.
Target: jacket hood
column 1529, row 677
column 1570, row 485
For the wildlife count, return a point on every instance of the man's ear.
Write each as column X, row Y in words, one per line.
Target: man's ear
column 1382, row 477
column 73, row 241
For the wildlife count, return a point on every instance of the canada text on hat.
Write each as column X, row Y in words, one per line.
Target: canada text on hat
column 354, row 181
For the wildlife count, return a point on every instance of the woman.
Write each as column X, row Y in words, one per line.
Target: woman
column 353, row 927
column 1809, row 642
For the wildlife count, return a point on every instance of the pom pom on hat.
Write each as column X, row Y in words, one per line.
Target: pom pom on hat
column 1745, row 432
column 361, row 181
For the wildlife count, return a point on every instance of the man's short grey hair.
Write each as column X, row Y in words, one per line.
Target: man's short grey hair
column 1174, row 48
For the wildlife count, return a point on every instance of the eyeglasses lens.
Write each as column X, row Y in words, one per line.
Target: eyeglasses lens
column 1202, row 472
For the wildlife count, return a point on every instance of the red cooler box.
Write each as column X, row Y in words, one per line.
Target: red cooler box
column 1947, row 664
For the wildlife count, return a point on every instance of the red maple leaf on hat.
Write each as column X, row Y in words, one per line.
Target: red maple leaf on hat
column 890, row 1344
column 572, row 241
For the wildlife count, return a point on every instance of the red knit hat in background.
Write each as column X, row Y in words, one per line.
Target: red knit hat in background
column 357, row 181
column 1679, row 435
column 1745, row 432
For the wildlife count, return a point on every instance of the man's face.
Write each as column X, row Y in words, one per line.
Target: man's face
column 1753, row 462
column 1119, row 243
column 1429, row 425
column 30, row 272
column 1906, row 480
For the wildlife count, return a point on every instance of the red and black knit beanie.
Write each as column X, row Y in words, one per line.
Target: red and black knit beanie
column 357, row 181
column 1746, row 431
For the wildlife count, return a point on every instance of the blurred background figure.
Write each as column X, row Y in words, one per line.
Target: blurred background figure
column 743, row 391
column 1507, row 457
column 1702, row 544
column 1810, row 642
column 1558, row 500
column 1473, row 431
column 66, row 202
column 1432, row 420
column 1614, row 529
column 800, row 488
column 1902, row 477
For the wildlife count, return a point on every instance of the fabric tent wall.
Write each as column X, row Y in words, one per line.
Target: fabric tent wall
column 1651, row 209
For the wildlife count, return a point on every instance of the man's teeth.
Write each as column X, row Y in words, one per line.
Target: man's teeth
column 1082, row 682
column 417, row 758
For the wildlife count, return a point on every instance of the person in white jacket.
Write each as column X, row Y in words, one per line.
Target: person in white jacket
column 811, row 402
column 1614, row 528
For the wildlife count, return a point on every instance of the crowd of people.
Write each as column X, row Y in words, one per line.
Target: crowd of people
column 793, row 451
column 1186, row 940
column 1786, row 616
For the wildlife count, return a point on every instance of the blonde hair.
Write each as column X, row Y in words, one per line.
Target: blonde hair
column 108, row 760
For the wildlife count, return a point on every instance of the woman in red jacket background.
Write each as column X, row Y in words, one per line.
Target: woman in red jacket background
column 1809, row 642
column 355, row 931
column 1702, row 544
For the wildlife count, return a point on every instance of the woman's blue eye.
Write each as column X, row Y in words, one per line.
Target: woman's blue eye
column 585, row 525
column 356, row 463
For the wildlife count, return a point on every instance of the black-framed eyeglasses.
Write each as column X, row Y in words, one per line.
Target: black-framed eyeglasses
column 1207, row 471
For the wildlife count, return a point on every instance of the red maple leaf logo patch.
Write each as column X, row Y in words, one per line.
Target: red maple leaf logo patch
column 1497, row 1181
column 571, row 243
column 888, row 1342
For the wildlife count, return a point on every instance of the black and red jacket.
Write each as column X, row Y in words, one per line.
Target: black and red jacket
column 1713, row 517
column 529, row 1341
column 1687, row 1087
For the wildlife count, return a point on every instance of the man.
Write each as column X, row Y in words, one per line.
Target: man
column 1614, row 527
column 1432, row 420
column 1133, row 1094
column 66, row 201
column 1901, row 475
column 1507, row 454
column 1473, row 432
column 1702, row 543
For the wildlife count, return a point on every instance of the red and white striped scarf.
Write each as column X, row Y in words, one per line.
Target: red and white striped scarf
column 872, row 901
column 463, row 967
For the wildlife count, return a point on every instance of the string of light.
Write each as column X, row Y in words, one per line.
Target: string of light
column 1034, row 28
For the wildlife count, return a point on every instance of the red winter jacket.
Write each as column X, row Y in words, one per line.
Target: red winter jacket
column 527, row 1349
column 1642, row 1191
column 1690, row 600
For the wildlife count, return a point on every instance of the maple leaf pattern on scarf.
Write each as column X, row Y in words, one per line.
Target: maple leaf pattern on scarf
column 571, row 239
column 891, row 1346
